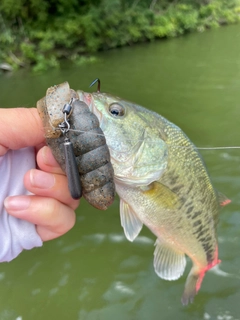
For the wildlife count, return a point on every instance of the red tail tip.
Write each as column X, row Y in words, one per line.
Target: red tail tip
column 225, row 202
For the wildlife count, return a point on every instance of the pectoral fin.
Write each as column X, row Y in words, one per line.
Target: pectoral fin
column 129, row 221
column 169, row 264
column 162, row 195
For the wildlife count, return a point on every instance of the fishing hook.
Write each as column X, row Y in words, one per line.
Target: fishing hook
column 94, row 81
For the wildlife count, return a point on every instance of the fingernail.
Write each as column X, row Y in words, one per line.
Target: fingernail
column 42, row 180
column 17, row 203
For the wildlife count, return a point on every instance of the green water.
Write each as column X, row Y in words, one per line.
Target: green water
column 93, row 272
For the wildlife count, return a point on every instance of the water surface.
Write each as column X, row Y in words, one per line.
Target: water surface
column 93, row 272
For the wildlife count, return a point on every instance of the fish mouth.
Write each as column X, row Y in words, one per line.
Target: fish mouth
column 89, row 100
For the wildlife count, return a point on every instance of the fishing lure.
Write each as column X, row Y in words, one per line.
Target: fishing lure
column 83, row 147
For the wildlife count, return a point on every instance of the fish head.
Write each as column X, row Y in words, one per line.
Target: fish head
column 138, row 153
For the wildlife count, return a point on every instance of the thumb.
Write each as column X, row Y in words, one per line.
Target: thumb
column 19, row 128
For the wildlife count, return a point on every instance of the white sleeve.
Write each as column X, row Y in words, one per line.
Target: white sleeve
column 15, row 234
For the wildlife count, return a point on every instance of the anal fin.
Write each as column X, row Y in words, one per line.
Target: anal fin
column 131, row 224
column 169, row 264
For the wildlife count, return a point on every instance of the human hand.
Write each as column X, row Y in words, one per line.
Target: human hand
column 20, row 128
column 51, row 208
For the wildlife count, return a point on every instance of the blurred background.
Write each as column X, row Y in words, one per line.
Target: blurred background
column 190, row 76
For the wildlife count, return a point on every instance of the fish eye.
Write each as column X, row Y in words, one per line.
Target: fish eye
column 116, row 109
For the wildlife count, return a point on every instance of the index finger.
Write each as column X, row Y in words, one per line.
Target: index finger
column 20, row 128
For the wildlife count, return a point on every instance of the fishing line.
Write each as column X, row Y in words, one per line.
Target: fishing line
column 140, row 140
column 199, row 148
column 218, row 148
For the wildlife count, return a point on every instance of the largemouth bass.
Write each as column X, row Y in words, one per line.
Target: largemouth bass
column 162, row 183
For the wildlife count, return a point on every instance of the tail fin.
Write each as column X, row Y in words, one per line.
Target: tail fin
column 193, row 284
column 194, row 281
column 195, row 278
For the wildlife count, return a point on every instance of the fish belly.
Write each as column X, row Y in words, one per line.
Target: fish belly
column 167, row 224
column 176, row 237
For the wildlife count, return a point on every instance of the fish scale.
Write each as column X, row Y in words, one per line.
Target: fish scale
column 163, row 185
column 202, row 227
column 202, row 224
